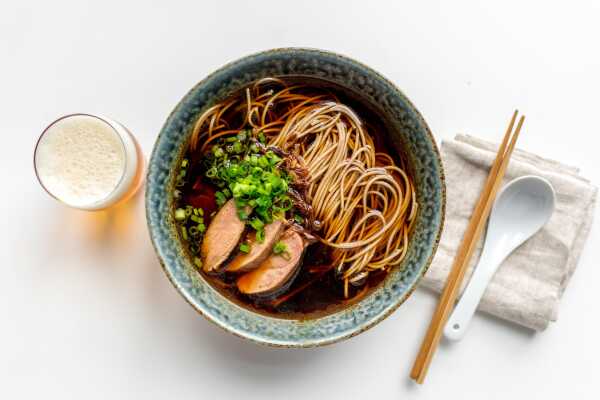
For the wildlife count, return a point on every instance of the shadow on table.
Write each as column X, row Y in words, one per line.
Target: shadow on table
column 450, row 346
column 118, row 241
column 196, row 340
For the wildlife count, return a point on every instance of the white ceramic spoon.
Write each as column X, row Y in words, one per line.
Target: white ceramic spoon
column 521, row 209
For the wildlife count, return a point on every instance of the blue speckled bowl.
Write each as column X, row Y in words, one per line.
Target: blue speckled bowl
column 408, row 133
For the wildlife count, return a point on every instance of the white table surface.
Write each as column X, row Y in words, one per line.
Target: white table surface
column 86, row 311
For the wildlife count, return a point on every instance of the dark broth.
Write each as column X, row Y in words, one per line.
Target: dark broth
column 321, row 293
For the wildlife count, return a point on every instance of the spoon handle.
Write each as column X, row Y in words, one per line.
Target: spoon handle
column 465, row 308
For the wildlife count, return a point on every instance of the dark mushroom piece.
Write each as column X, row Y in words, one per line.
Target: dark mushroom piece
column 275, row 274
column 244, row 262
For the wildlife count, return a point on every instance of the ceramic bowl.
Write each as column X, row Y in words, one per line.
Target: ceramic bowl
column 407, row 133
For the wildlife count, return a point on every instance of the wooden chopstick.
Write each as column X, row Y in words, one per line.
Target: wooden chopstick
column 470, row 238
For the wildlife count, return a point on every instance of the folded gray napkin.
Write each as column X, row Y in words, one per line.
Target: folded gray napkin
column 527, row 287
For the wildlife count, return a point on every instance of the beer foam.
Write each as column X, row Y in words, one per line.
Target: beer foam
column 81, row 160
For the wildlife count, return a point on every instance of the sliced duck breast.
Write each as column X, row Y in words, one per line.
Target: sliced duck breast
column 245, row 262
column 221, row 238
column 277, row 272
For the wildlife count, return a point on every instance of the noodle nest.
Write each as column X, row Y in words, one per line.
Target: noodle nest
column 364, row 203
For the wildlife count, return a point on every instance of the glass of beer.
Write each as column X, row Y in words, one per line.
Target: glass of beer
column 88, row 162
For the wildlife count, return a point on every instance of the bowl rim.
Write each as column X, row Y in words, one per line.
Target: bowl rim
column 313, row 342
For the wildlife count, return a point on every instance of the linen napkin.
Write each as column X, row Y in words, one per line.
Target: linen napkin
column 527, row 287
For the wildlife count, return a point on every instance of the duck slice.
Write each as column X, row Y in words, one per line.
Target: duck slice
column 245, row 262
column 221, row 238
column 275, row 274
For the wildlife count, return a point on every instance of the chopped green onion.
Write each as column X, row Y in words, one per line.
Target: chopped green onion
column 201, row 227
column 257, row 224
column 198, row 262
column 268, row 187
column 242, row 214
column 220, row 198
column 188, row 211
column 281, row 249
column 197, row 219
column 259, row 188
column 200, row 211
column 184, row 233
column 242, row 136
column 264, row 202
column 263, row 162
column 298, row 218
column 260, row 235
column 180, row 214
column 245, row 248
column 217, row 151
column 239, row 202
column 193, row 231
column 237, row 147
column 184, row 163
column 211, row 172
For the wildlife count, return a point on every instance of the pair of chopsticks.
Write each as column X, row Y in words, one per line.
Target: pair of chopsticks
column 465, row 251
